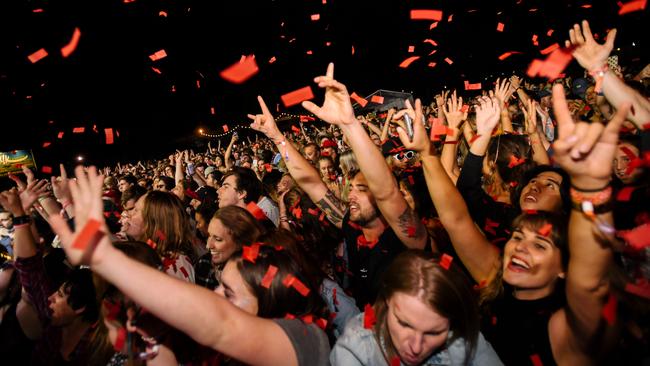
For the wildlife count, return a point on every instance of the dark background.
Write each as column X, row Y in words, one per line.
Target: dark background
column 108, row 81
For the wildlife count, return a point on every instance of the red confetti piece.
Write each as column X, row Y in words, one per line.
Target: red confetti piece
column 72, row 45
column 377, row 99
column 37, row 56
column 411, row 49
column 353, row 51
column 290, row 316
column 632, row 6
column 395, row 361
column 448, row 60
column 251, row 252
column 297, row 96
column 536, row 360
column 121, row 336
column 500, row 27
column 426, row 15
column 307, row 119
column 158, row 55
column 480, row 285
column 300, row 287
column 46, row 144
column 432, row 64
column 156, row 70
column 313, row 212
column 225, row 128
column 445, row 261
column 315, row 17
column 450, row 18
column 514, row 161
column 550, row 49
column 152, row 244
column 358, row 99
column 39, row 10
column 406, row 63
column 433, row 25
column 310, row 52
column 411, row 180
column 550, row 32
column 625, row 194
column 410, row 231
column 308, row 319
column 109, row 135
column 160, row 235
column 240, row 71
column 369, row 317
column 638, row 238
column 609, row 310
column 295, row 129
column 643, row 290
column 269, row 276
column 78, row 130
column 505, row 55
column 468, row 86
column 272, row 60
column 322, row 323
column 431, row 42
column 162, row 13
column 586, row 6
column 334, row 298
column 89, row 235
column 256, row 211
column 545, row 230
column 471, row 141
column 46, row 169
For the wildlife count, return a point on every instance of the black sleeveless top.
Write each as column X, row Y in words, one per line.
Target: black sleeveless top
column 14, row 344
column 366, row 265
column 518, row 329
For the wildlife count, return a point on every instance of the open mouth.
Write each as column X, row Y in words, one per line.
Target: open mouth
column 530, row 198
column 518, row 265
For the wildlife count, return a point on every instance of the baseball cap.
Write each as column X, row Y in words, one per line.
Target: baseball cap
column 208, row 170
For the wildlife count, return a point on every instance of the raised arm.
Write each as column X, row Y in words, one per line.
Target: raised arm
column 227, row 159
column 190, row 309
column 593, row 58
column 481, row 258
column 540, row 156
column 455, row 118
column 586, row 151
column 386, row 126
column 305, row 175
column 337, row 110
column 503, row 91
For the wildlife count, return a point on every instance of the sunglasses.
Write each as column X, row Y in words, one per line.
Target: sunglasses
column 404, row 155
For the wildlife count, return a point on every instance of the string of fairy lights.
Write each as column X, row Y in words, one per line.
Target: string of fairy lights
column 282, row 117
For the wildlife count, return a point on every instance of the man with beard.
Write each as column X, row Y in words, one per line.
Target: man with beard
column 378, row 224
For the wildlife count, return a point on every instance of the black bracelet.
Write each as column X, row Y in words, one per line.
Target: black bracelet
column 19, row 220
column 590, row 190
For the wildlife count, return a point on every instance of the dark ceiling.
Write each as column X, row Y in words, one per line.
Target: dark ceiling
column 109, row 81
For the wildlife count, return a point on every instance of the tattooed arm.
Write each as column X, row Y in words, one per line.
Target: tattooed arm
column 333, row 208
column 305, row 175
column 337, row 110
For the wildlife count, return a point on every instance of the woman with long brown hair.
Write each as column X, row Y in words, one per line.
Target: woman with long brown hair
column 425, row 313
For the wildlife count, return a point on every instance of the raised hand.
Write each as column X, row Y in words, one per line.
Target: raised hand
column 10, row 201
column 530, row 114
column 502, row 91
column 453, row 111
column 487, row 116
column 588, row 52
column 515, row 82
column 87, row 195
column 420, row 141
column 264, row 122
column 585, row 150
column 337, row 108
column 60, row 186
column 30, row 192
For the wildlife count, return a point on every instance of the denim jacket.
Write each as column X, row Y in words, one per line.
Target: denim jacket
column 358, row 346
column 343, row 305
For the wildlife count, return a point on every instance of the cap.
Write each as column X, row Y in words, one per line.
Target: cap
column 543, row 93
column 579, row 87
column 208, row 170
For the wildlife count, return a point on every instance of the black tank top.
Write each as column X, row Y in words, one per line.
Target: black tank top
column 14, row 344
column 518, row 329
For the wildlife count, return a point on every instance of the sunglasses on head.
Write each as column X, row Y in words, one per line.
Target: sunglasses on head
column 408, row 155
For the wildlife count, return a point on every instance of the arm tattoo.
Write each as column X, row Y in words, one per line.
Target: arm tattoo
column 333, row 208
column 409, row 224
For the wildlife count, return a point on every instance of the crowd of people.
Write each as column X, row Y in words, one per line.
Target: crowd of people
column 507, row 228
